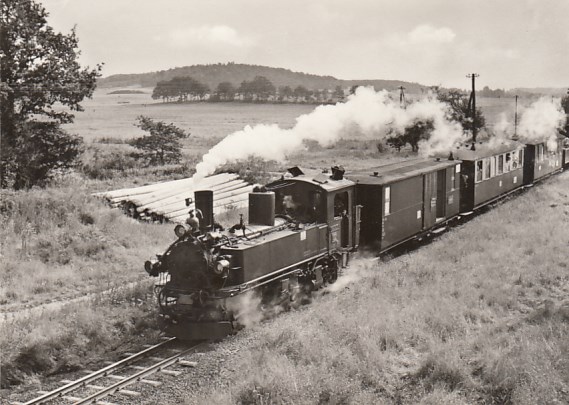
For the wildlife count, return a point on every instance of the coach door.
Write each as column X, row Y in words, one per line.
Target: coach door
column 340, row 224
column 431, row 208
column 441, row 194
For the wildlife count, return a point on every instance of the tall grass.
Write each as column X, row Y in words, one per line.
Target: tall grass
column 480, row 315
column 61, row 242
column 77, row 335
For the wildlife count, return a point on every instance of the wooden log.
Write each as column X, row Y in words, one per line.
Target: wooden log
column 242, row 194
column 180, row 197
column 219, row 206
column 180, row 203
column 169, row 192
column 180, row 219
column 133, row 191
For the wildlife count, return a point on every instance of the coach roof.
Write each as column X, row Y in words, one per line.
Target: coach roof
column 485, row 150
column 401, row 170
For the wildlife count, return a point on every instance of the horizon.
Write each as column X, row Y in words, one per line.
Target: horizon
column 336, row 78
column 510, row 44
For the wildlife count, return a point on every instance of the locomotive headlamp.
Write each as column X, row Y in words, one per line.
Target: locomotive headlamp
column 180, row 230
column 220, row 266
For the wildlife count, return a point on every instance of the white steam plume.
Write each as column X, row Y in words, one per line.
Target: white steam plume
column 367, row 114
column 504, row 128
column 541, row 121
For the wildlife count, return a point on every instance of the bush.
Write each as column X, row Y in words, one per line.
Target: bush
column 105, row 165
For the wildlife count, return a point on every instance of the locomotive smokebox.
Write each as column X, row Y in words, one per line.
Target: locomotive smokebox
column 204, row 203
column 262, row 208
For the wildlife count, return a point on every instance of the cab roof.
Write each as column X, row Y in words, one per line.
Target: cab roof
column 393, row 172
column 322, row 180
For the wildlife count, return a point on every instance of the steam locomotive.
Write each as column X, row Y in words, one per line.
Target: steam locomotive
column 303, row 229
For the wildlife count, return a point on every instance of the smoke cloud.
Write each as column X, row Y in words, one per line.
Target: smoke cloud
column 539, row 122
column 542, row 120
column 366, row 114
column 359, row 269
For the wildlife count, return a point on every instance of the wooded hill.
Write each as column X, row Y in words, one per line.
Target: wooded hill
column 235, row 73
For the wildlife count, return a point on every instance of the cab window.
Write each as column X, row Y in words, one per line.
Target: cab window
column 341, row 204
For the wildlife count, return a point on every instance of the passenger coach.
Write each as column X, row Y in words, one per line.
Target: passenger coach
column 541, row 161
column 402, row 200
column 489, row 172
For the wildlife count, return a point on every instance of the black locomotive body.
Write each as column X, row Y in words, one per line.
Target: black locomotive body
column 302, row 230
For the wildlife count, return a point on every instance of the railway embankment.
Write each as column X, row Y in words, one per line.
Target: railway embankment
column 480, row 315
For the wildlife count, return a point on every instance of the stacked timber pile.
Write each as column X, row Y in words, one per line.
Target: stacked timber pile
column 167, row 200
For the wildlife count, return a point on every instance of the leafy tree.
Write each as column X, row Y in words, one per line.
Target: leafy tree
column 163, row 145
column 301, row 92
column 181, row 88
column 42, row 148
column 460, row 110
column 413, row 134
column 225, row 91
column 262, row 87
column 39, row 72
column 339, row 92
column 259, row 88
column 285, row 92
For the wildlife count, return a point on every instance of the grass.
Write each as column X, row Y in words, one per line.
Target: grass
column 76, row 336
column 479, row 316
column 61, row 242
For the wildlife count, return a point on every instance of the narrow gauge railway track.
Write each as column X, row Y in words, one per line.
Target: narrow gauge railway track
column 109, row 372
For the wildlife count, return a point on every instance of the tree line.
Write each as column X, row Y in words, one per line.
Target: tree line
column 260, row 89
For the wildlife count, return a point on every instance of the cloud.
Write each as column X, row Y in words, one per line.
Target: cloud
column 427, row 33
column 208, row 35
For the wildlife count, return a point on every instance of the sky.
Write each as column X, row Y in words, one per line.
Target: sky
column 509, row 43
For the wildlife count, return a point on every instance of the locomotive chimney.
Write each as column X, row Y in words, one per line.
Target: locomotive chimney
column 337, row 173
column 262, row 208
column 204, row 203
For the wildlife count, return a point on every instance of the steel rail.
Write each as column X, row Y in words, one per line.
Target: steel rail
column 59, row 392
column 136, row 377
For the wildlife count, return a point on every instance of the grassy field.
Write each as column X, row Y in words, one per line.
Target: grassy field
column 61, row 243
column 481, row 315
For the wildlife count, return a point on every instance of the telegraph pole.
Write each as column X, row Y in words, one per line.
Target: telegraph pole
column 402, row 96
column 516, row 121
column 473, row 104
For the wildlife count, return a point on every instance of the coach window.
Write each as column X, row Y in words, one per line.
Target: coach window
column 500, row 169
column 387, row 207
column 479, row 171
column 341, row 204
column 486, row 169
column 540, row 153
column 521, row 158
column 508, row 165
